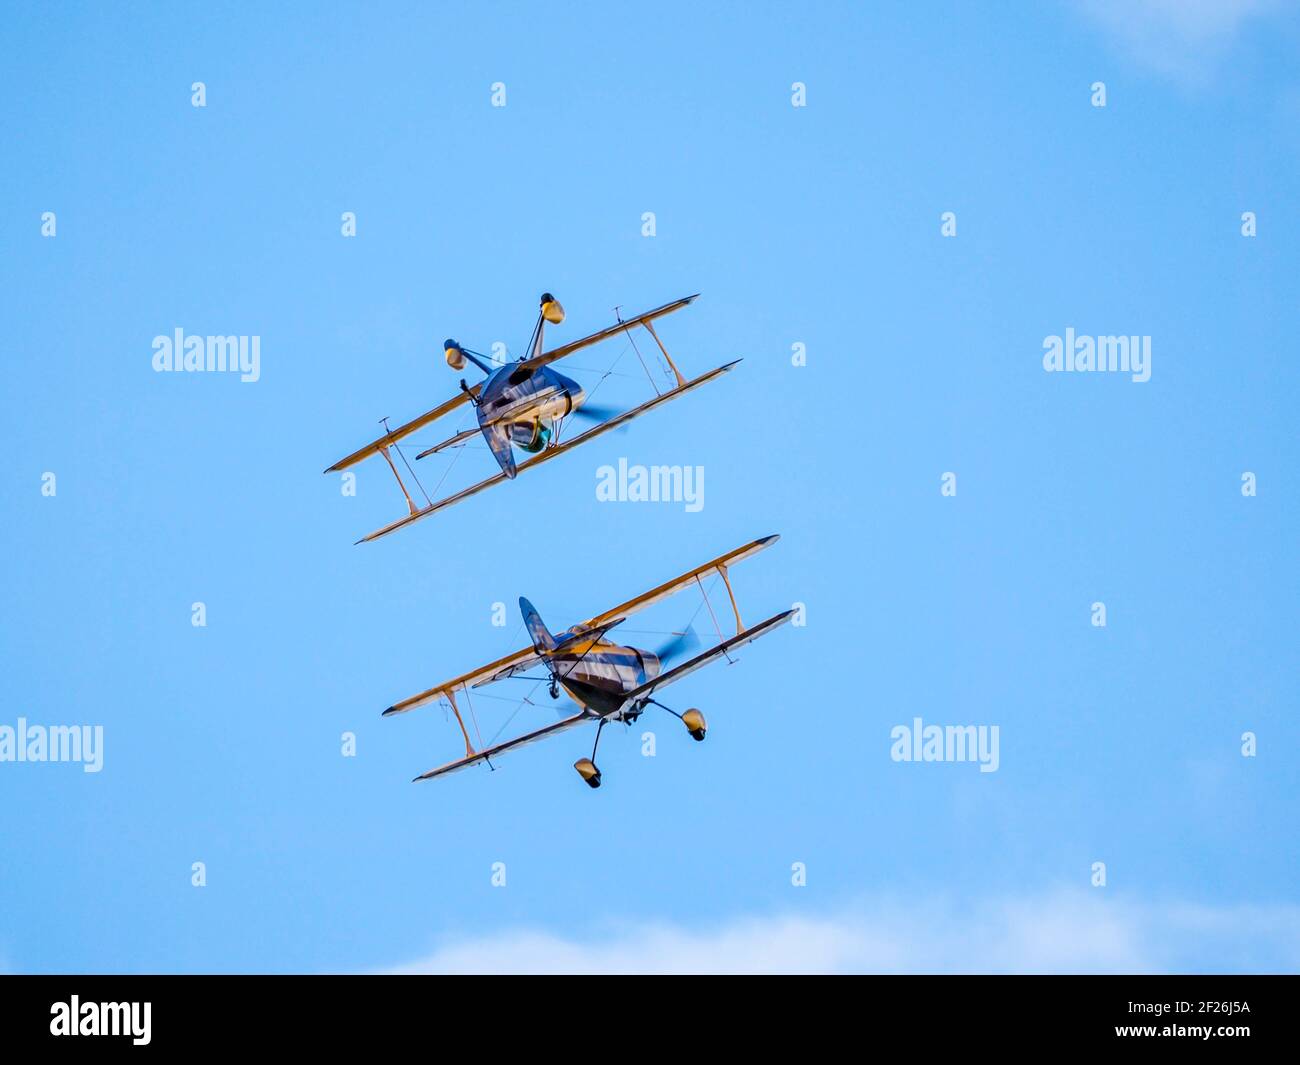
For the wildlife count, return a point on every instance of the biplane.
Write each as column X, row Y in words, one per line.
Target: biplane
column 522, row 404
column 608, row 681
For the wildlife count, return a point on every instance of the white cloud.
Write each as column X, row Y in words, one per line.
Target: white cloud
column 1065, row 931
column 1184, row 39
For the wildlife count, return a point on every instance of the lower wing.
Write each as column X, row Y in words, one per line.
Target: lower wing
column 509, row 745
column 551, row 452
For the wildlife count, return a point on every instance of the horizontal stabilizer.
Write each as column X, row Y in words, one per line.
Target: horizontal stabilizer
column 459, row 438
column 582, row 635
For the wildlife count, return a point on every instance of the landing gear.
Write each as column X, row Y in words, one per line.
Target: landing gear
column 586, row 767
column 587, row 770
column 692, row 719
column 695, row 724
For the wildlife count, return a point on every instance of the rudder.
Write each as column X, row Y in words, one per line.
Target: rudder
column 542, row 639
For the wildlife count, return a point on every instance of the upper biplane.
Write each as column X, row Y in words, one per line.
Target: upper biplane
column 609, row 682
column 521, row 404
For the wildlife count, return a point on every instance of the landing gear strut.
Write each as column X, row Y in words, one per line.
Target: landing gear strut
column 586, row 767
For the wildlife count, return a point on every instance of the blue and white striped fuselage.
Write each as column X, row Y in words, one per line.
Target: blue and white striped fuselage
column 598, row 675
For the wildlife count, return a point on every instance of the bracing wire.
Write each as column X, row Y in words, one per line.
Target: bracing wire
column 414, row 477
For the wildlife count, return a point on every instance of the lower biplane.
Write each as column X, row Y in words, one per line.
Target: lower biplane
column 609, row 682
column 522, row 404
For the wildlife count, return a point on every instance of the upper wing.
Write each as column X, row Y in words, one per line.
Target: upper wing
column 678, row 672
column 672, row 587
column 549, row 453
column 394, row 435
column 509, row 745
column 548, row 357
column 502, row 667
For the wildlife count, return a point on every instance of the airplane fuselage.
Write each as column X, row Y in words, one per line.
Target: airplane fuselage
column 598, row 674
column 527, row 404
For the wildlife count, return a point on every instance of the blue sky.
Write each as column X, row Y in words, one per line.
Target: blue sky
column 817, row 225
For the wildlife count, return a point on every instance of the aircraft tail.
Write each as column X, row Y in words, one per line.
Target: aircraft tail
column 543, row 641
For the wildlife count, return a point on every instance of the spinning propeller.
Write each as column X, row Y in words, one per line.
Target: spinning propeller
column 594, row 412
column 676, row 647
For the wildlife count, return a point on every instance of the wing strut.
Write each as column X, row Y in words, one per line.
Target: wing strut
column 383, row 450
column 451, row 698
column 389, row 459
column 651, row 330
column 740, row 625
column 721, row 570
